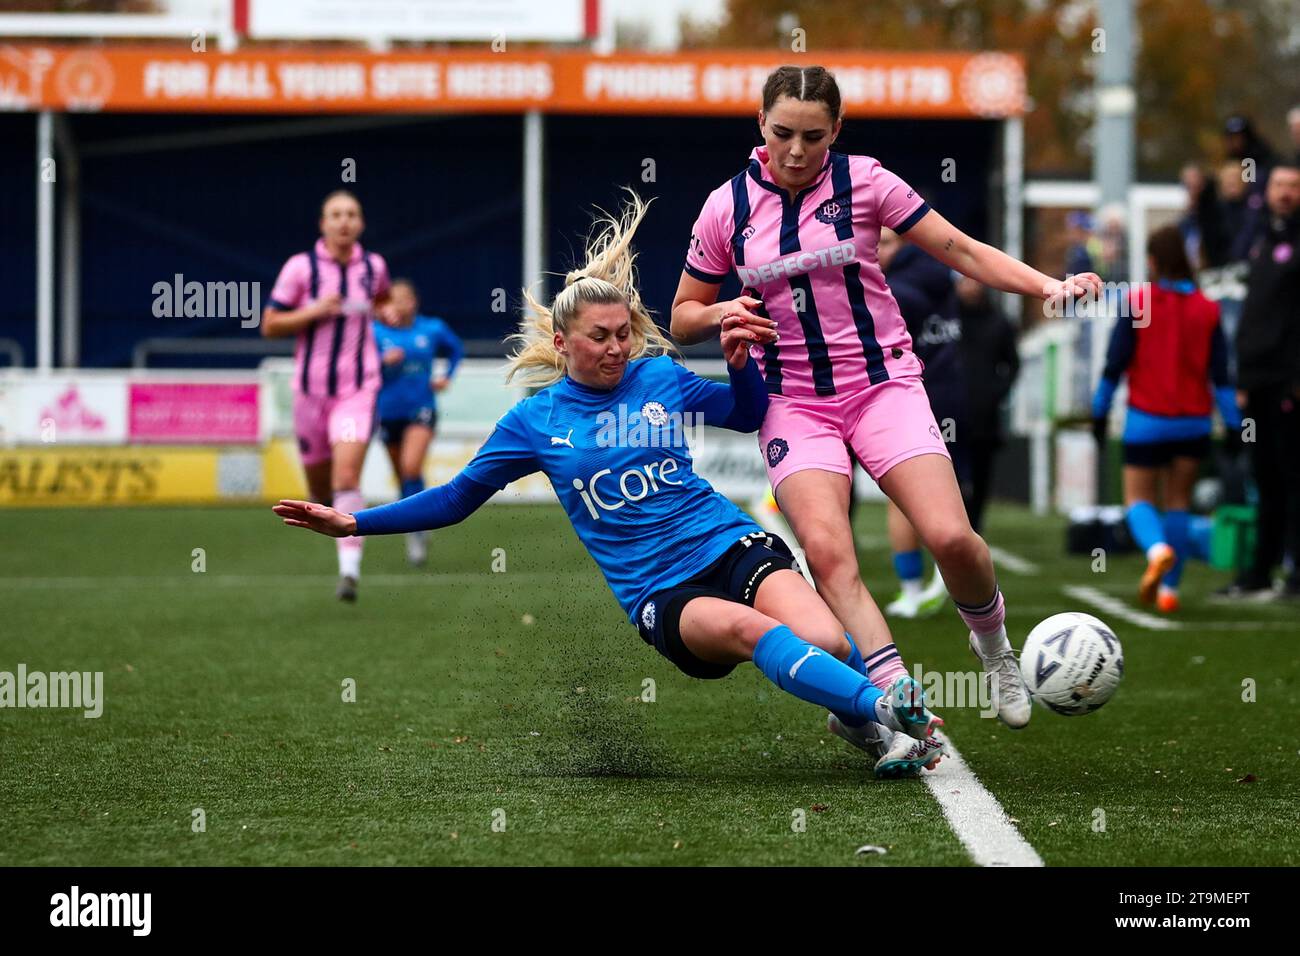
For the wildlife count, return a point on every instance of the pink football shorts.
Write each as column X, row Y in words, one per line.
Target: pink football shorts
column 320, row 422
column 884, row 424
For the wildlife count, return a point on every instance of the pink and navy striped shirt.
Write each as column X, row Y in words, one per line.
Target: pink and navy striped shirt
column 812, row 260
column 335, row 356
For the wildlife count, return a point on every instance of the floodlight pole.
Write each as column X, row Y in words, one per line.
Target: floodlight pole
column 534, row 212
column 1114, row 132
column 45, row 175
column 70, row 273
column 1013, row 199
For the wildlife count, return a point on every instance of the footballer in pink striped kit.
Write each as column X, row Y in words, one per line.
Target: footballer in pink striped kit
column 326, row 296
column 799, row 225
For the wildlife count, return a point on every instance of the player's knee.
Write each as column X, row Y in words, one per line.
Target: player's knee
column 832, row 566
column 745, row 633
column 957, row 547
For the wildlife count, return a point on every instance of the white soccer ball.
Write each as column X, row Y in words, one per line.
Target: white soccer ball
column 1072, row 663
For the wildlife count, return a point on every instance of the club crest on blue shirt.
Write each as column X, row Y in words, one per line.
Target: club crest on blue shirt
column 654, row 413
column 648, row 616
column 832, row 212
column 777, row 449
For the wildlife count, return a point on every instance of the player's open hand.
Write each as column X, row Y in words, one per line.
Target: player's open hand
column 1085, row 285
column 315, row 517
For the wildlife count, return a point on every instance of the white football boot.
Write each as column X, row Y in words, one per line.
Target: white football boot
column 1009, row 690
column 868, row 738
column 417, row 547
column 933, row 598
column 894, row 755
column 906, row 757
column 904, row 605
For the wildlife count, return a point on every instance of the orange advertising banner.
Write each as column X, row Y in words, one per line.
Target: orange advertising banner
column 717, row 83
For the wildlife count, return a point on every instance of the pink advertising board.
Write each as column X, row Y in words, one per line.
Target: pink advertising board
column 181, row 413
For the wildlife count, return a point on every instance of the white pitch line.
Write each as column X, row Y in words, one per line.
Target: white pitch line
column 975, row 815
column 1113, row 605
column 1012, row 562
column 198, row 580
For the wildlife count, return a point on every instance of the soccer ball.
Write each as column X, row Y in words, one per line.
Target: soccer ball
column 1072, row 663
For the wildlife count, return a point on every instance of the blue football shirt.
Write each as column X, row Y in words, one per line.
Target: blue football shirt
column 622, row 470
column 406, row 386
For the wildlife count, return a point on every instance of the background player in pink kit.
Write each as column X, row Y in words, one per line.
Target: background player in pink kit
column 800, row 225
column 326, row 296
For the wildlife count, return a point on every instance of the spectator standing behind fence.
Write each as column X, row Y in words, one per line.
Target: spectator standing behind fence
column 1254, row 159
column 1268, row 376
column 1232, row 209
column 1202, row 224
column 989, row 354
column 1112, row 233
column 1084, row 246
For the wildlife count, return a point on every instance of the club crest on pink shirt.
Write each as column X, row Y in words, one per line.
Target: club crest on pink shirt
column 833, row 211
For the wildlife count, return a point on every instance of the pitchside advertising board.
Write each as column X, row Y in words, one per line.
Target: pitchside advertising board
column 91, row 439
column 86, row 439
column 205, row 443
column 703, row 83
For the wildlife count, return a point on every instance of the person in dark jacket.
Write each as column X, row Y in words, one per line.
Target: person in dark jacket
column 1202, row 225
column 1268, row 376
column 1233, row 207
column 1254, row 159
column 992, row 361
column 1293, row 125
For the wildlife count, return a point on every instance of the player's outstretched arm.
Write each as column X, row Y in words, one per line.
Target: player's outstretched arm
column 432, row 508
column 993, row 267
column 315, row 517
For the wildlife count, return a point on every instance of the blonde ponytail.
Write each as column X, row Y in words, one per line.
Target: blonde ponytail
column 608, row 278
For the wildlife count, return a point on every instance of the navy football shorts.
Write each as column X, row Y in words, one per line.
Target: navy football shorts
column 735, row 576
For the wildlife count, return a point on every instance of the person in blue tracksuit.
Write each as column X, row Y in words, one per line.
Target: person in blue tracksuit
column 700, row 580
column 407, row 410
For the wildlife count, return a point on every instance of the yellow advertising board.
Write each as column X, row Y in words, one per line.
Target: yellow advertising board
column 92, row 476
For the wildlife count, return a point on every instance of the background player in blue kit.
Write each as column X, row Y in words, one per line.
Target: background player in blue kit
column 1175, row 357
column 408, row 412
column 703, row 583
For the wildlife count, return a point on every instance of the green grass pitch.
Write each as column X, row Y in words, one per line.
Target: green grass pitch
column 479, row 738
